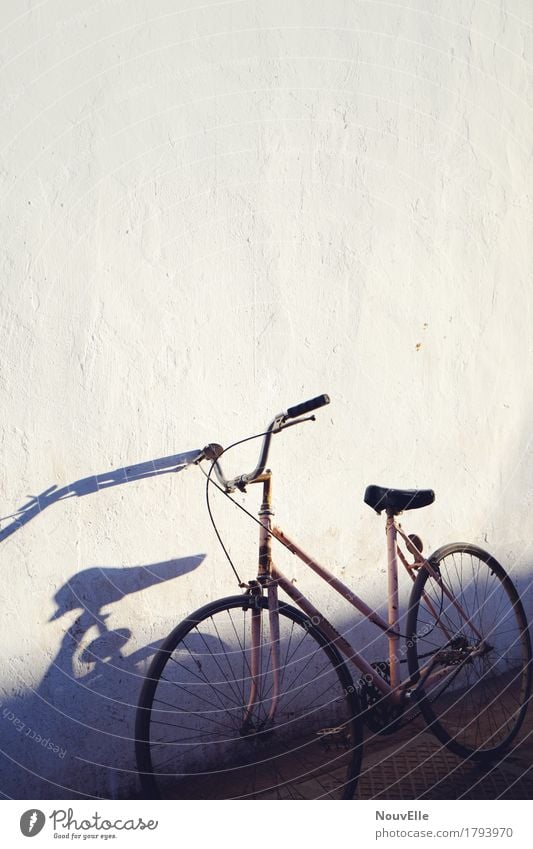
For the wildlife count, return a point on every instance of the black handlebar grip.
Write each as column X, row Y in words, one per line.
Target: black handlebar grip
column 307, row 406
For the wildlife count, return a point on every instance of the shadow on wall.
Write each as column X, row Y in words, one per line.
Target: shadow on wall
column 92, row 484
column 73, row 736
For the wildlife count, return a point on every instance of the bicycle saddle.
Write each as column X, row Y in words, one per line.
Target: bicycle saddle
column 395, row 500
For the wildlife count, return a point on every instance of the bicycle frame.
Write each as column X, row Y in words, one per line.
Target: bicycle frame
column 271, row 577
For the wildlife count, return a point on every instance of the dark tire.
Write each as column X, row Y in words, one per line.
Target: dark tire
column 477, row 708
column 190, row 739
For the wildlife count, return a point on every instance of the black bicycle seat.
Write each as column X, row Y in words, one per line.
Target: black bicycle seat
column 395, row 500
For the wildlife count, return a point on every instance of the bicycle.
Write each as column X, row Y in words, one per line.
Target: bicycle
column 252, row 697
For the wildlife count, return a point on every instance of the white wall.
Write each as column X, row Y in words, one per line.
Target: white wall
column 211, row 212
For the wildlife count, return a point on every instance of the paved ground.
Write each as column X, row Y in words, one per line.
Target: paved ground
column 412, row 764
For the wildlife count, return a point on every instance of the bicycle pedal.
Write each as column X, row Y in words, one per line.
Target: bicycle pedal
column 334, row 736
column 328, row 732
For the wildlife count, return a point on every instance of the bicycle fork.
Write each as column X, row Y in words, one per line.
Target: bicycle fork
column 265, row 564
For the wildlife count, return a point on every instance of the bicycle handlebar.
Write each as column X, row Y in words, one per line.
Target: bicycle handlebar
column 213, row 451
column 307, row 406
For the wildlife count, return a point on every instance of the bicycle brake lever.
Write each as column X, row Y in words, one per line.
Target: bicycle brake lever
column 285, row 425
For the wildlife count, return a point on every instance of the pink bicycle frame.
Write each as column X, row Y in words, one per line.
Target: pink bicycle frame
column 271, row 577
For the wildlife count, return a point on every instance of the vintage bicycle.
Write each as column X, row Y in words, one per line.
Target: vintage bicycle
column 251, row 697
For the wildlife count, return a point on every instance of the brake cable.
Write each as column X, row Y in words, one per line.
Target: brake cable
column 242, row 584
column 209, row 481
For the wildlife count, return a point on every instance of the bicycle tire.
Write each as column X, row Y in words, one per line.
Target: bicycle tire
column 476, row 710
column 199, row 680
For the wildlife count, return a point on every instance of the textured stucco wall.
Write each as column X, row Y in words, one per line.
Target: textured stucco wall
column 211, row 211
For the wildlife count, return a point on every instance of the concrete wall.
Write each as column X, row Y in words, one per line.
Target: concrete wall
column 211, row 212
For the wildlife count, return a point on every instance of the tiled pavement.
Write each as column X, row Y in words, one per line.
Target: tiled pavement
column 412, row 764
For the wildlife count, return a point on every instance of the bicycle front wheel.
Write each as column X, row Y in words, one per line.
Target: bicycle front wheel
column 467, row 623
column 201, row 735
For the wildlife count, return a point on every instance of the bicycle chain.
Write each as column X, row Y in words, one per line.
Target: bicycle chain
column 382, row 713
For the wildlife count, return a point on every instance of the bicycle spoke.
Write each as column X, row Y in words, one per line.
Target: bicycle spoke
column 478, row 707
column 202, row 678
column 196, row 695
column 197, row 731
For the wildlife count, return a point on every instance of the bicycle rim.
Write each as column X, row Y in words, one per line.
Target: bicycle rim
column 477, row 705
column 191, row 738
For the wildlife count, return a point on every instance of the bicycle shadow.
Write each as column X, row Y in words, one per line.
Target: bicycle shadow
column 72, row 736
column 94, row 483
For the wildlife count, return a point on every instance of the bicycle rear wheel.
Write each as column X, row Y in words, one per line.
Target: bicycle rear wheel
column 191, row 738
column 478, row 703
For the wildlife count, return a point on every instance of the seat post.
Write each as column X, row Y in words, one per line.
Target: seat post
column 393, row 605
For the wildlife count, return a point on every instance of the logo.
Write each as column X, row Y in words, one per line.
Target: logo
column 31, row 822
